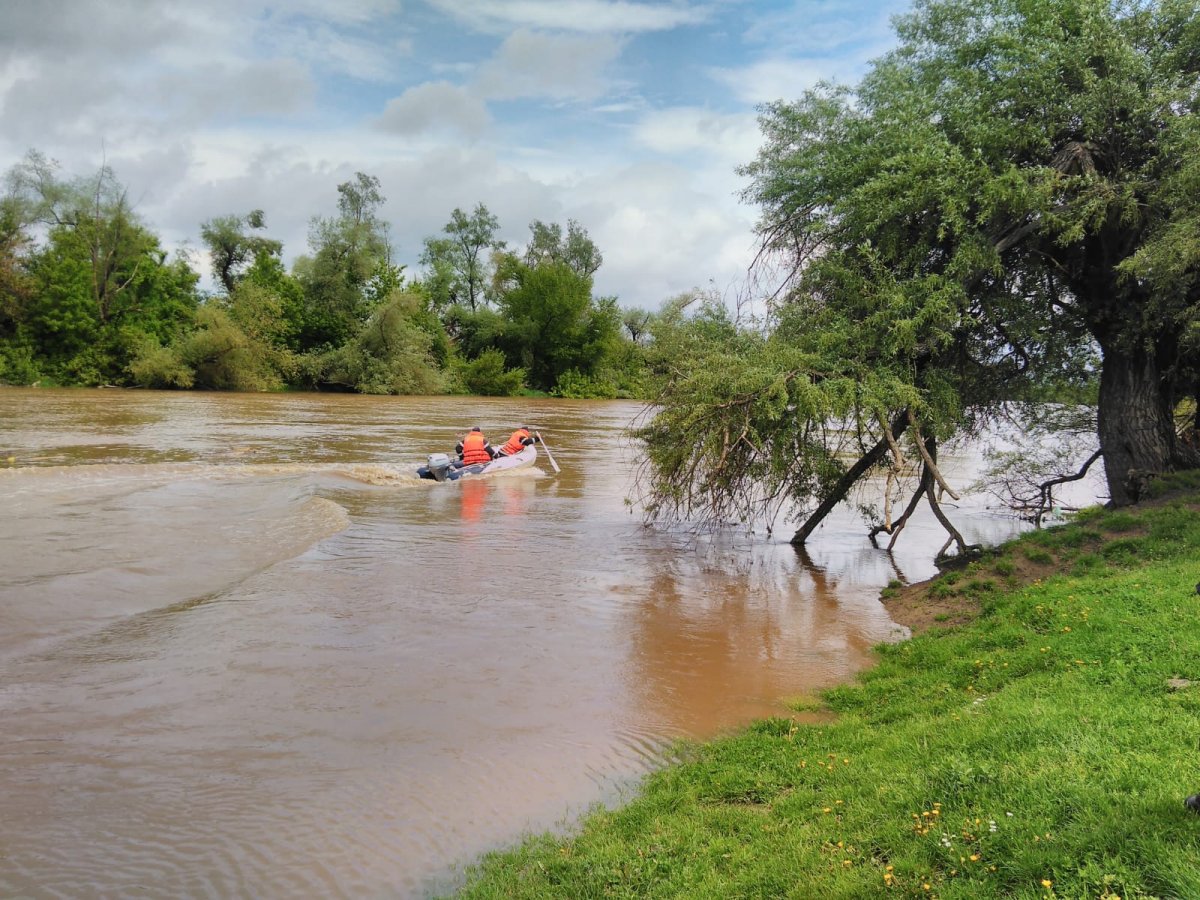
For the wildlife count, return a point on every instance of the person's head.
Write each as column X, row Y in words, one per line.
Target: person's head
column 476, row 428
column 525, row 428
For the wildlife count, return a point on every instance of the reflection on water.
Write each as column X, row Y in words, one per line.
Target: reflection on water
column 244, row 651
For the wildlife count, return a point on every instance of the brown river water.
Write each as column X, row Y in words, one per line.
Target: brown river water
column 244, row 651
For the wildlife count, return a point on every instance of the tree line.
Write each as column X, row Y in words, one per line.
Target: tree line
column 1005, row 210
column 88, row 296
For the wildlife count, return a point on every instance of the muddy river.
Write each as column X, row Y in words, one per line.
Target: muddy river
column 244, row 651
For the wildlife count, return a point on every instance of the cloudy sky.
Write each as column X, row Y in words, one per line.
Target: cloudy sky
column 629, row 116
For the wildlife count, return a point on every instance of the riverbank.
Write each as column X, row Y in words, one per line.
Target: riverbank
column 1035, row 738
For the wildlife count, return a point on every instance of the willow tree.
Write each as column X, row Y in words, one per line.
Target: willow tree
column 1007, row 199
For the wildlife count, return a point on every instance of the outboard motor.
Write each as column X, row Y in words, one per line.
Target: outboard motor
column 438, row 465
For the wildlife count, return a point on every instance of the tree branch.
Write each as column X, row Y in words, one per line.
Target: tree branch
column 1046, row 488
column 847, row 481
column 930, row 465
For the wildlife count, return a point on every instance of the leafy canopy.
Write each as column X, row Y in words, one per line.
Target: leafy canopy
column 1003, row 203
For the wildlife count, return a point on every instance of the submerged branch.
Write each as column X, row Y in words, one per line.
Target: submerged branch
column 849, row 479
column 929, row 451
column 930, row 465
column 1046, row 488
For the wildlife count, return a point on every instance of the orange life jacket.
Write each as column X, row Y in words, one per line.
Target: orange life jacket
column 474, row 448
column 516, row 443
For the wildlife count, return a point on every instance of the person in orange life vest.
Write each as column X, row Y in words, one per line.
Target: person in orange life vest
column 521, row 438
column 473, row 448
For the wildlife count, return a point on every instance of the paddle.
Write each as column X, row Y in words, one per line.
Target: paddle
column 549, row 455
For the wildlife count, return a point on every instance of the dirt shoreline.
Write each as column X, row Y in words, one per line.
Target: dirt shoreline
column 955, row 597
column 913, row 607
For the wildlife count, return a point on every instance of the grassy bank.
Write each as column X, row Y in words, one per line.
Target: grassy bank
column 1039, row 748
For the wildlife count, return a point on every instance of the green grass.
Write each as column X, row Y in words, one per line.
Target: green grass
column 1039, row 744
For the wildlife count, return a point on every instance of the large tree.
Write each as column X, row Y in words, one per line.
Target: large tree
column 348, row 252
column 233, row 247
column 458, row 263
column 101, row 282
column 576, row 249
column 1005, row 197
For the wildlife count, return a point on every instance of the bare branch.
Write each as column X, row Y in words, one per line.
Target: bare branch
column 930, row 464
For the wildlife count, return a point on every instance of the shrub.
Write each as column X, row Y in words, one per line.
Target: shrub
column 487, row 376
column 575, row 385
column 17, row 366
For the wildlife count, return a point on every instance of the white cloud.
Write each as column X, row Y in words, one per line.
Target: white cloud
column 733, row 137
column 777, row 78
column 271, row 87
column 435, row 107
column 535, row 64
column 664, row 229
column 216, row 108
column 583, row 16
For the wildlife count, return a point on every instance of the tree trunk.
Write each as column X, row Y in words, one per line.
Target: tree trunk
column 1136, row 429
column 848, row 480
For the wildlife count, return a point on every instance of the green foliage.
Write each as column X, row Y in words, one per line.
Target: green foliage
column 347, row 254
column 552, row 323
column 155, row 366
column 96, row 301
column 960, row 230
column 391, row 355
column 637, row 324
column 750, row 420
column 577, row 386
column 100, row 282
column 226, row 351
column 486, row 375
column 459, row 262
column 268, row 277
column 17, row 365
column 575, row 249
column 16, row 287
column 232, row 249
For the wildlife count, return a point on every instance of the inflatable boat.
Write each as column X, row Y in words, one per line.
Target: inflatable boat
column 443, row 467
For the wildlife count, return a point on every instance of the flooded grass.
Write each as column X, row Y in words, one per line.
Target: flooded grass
column 1037, row 743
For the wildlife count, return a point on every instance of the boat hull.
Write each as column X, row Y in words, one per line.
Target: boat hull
column 454, row 472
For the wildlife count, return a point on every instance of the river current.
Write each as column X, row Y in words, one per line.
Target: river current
column 244, row 651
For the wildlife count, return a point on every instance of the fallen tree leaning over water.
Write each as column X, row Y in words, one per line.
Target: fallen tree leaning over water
column 1006, row 205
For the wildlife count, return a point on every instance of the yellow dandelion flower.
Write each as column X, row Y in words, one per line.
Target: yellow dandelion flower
column 1046, row 883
